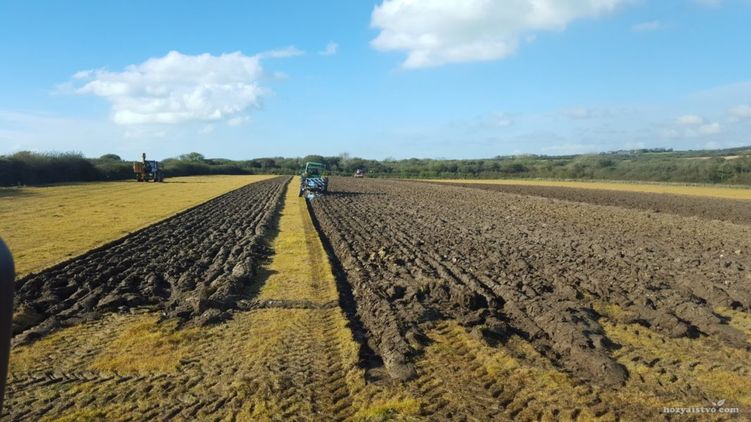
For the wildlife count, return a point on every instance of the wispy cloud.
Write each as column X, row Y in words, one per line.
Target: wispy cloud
column 689, row 120
column 330, row 49
column 281, row 53
column 740, row 112
column 647, row 26
column 692, row 126
column 238, row 121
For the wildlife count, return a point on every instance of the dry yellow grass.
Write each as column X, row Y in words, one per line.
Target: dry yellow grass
column 675, row 189
column 145, row 346
column 300, row 269
column 46, row 225
column 395, row 409
column 662, row 369
column 122, row 343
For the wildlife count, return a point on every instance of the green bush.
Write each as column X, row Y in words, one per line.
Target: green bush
column 659, row 165
column 29, row 168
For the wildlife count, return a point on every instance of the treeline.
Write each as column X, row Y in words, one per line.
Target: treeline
column 729, row 166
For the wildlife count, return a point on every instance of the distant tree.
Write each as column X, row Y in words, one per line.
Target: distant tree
column 194, row 157
column 111, row 157
column 314, row 158
column 267, row 163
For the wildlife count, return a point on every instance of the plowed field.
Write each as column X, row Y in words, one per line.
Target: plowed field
column 195, row 266
column 394, row 300
column 733, row 210
column 554, row 274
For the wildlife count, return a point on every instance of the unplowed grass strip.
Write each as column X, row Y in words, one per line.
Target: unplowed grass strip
column 300, row 269
column 743, row 193
column 47, row 225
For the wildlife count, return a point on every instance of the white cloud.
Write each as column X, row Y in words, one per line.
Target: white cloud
column 709, row 129
column 437, row 32
column 239, row 120
column 740, row 112
column 647, row 26
column 691, row 126
column 690, row 120
column 83, row 74
column 577, row 113
column 330, row 50
column 179, row 88
column 281, row 53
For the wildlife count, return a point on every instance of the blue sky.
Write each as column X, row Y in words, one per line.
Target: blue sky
column 386, row 78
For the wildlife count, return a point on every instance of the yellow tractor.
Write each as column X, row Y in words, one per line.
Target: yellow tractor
column 147, row 170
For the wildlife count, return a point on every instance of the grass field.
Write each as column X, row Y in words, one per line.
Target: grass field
column 675, row 189
column 46, row 225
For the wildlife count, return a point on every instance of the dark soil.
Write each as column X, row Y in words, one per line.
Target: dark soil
column 503, row 264
column 732, row 210
column 195, row 266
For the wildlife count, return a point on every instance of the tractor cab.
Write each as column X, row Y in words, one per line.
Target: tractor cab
column 314, row 169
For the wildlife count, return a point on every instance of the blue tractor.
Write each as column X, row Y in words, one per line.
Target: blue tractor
column 313, row 180
column 146, row 170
